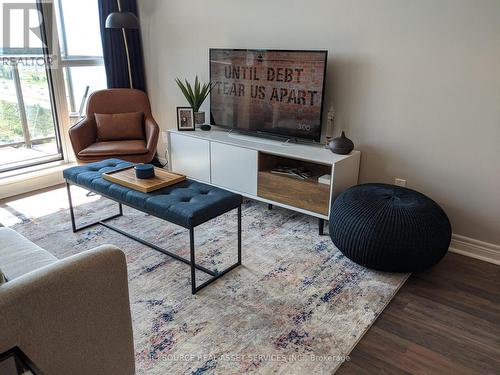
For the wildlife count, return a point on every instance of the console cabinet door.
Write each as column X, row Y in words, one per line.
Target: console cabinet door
column 234, row 168
column 190, row 156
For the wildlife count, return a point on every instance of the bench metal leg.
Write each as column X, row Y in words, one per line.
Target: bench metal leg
column 193, row 270
column 194, row 288
column 157, row 248
column 239, row 234
column 72, row 214
column 192, row 263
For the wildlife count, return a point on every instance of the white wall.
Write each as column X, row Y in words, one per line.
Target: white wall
column 415, row 83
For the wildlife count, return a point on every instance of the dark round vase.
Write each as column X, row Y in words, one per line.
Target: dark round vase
column 341, row 145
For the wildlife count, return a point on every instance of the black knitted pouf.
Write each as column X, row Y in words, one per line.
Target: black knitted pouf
column 389, row 228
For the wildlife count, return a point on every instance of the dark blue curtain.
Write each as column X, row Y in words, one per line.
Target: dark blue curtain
column 113, row 47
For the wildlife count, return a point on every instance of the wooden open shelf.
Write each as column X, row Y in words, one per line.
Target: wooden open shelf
column 307, row 194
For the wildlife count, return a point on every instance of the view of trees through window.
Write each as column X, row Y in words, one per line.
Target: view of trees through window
column 36, row 101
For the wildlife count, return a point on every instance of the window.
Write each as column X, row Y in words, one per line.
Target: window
column 81, row 52
column 28, row 126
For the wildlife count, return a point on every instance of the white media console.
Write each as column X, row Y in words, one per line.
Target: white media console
column 243, row 164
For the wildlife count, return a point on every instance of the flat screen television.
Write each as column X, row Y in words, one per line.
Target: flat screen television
column 274, row 92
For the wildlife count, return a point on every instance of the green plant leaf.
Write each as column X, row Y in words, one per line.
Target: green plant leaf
column 196, row 87
column 191, row 95
column 184, row 91
column 196, row 94
column 205, row 90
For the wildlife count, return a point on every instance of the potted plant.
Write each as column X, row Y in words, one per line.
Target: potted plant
column 195, row 96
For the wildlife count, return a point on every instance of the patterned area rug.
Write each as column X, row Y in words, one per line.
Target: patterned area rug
column 296, row 306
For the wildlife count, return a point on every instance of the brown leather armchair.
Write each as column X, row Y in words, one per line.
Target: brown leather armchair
column 83, row 135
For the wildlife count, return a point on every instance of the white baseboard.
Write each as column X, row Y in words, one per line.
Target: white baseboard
column 475, row 249
column 28, row 182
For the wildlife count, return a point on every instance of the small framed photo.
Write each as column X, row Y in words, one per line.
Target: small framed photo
column 185, row 118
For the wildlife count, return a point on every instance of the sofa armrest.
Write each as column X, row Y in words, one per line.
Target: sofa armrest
column 83, row 134
column 152, row 133
column 73, row 316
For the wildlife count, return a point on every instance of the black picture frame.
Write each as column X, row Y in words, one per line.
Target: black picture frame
column 186, row 122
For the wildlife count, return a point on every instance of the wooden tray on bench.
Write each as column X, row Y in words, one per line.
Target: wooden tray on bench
column 126, row 177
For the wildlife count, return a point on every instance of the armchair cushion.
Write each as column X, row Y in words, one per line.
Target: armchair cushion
column 119, row 126
column 113, row 148
column 18, row 255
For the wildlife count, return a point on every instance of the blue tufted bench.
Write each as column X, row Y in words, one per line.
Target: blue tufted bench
column 188, row 204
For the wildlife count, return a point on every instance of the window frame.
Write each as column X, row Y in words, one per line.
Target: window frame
column 21, row 167
column 60, row 92
column 59, row 97
column 71, row 61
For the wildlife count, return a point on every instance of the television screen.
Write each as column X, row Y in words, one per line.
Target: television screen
column 268, row 91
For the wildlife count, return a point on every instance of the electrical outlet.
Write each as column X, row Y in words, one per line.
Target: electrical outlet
column 399, row 182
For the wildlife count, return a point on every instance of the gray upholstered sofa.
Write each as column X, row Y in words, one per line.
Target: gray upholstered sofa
column 69, row 316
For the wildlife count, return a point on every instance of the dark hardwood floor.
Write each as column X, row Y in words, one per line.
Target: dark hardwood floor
column 443, row 321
